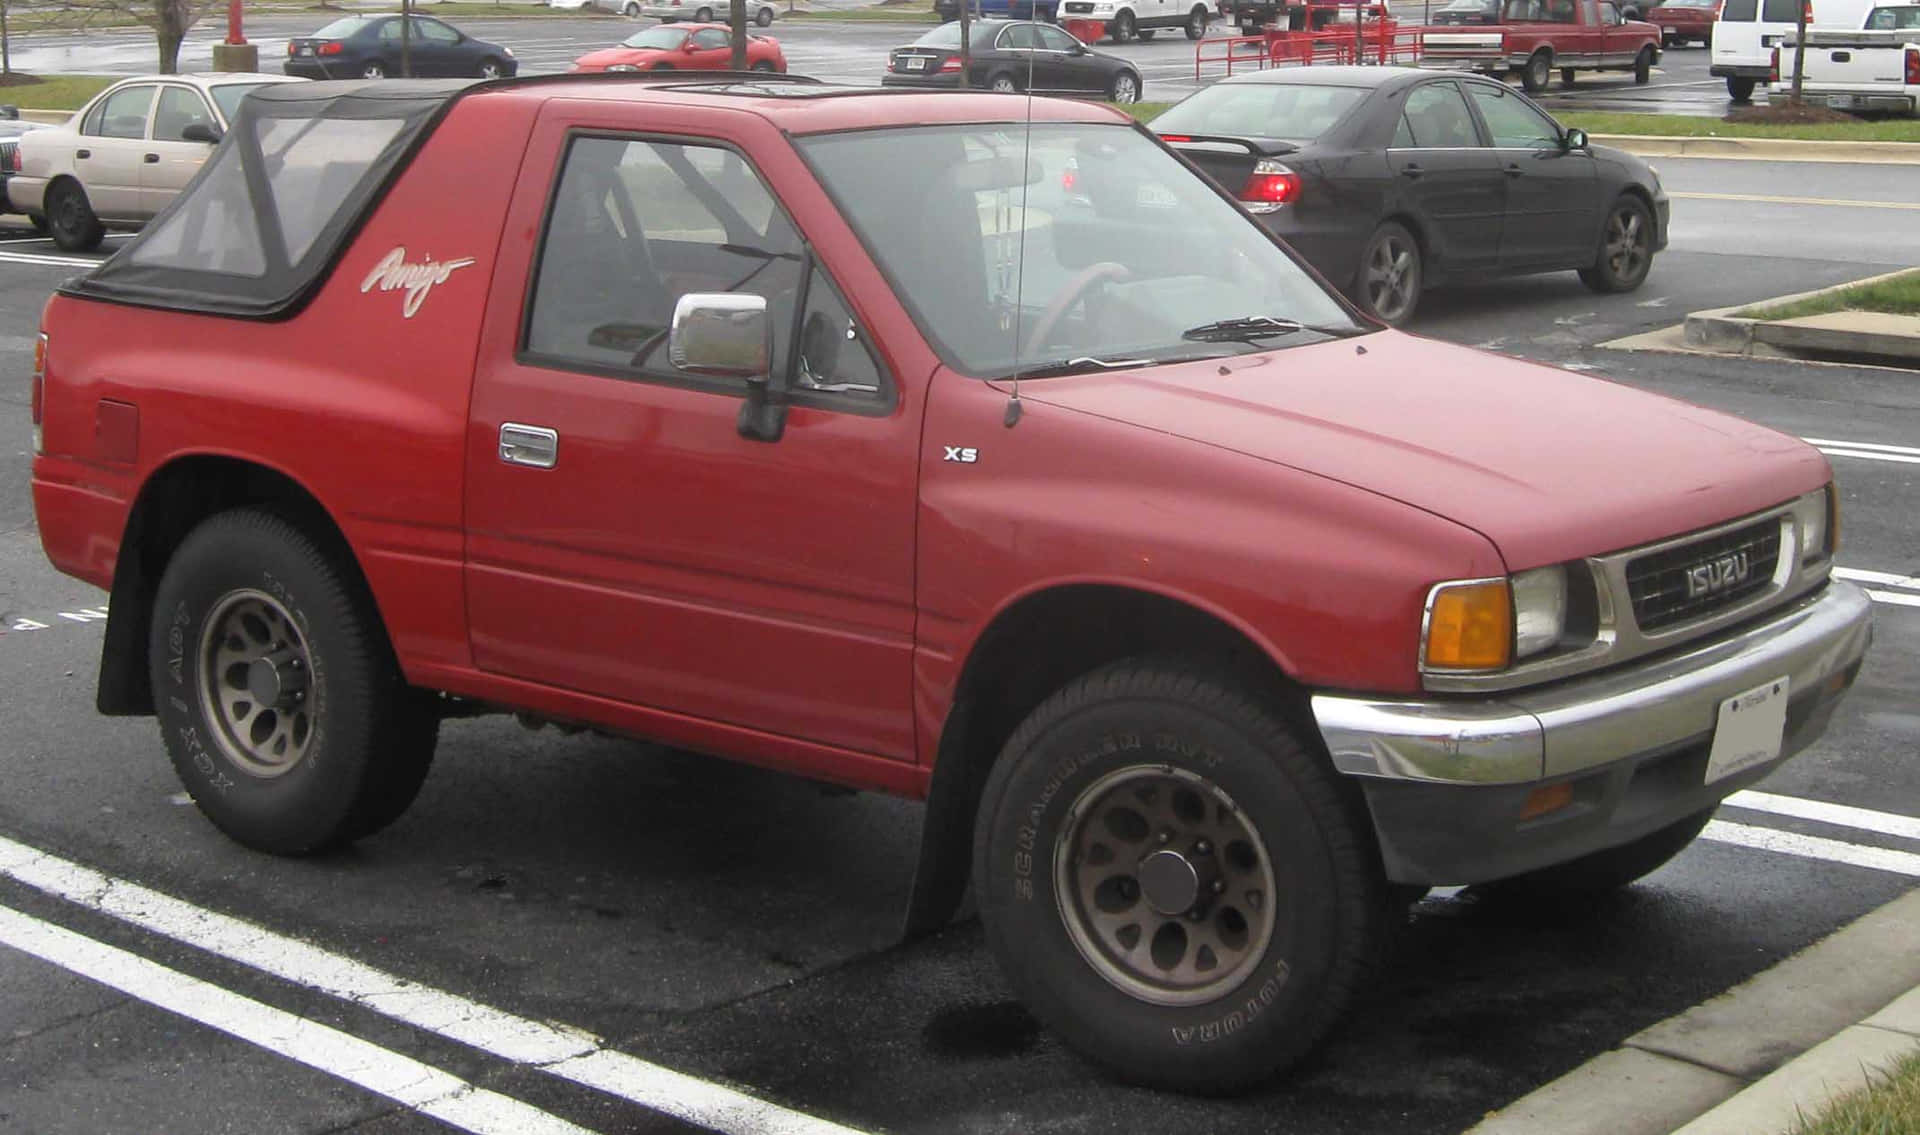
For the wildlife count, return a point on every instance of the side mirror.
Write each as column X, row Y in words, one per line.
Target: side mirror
column 729, row 335
column 201, row 132
column 687, row 45
column 1574, row 139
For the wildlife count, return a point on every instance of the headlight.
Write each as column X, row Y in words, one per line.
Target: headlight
column 1485, row 624
column 622, row 67
column 1819, row 518
column 509, row 52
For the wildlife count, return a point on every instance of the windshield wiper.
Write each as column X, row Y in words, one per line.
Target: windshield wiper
column 1255, row 327
column 1079, row 364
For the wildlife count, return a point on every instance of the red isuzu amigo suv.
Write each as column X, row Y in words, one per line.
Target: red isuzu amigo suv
column 958, row 446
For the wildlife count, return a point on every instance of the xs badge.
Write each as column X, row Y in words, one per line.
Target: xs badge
column 964, row 454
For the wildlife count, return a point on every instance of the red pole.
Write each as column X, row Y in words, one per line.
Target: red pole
column 234, row 34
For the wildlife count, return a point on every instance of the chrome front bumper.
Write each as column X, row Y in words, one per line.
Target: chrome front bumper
column 1451, row 784
column 1567, row 727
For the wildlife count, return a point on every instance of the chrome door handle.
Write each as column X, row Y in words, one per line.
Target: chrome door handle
column 536, row 446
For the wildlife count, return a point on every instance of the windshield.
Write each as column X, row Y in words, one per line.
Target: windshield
column 341, row 28
column 1261, row 110
column 1119, row 250
column 228, row 96
column 659, row 36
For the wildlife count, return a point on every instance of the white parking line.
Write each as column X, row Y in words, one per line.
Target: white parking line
column 1769, row 200
column 1866, row 451
column 36, row 258
column 567, row 1053
column 418, row 1086
column 1841, row 815
column 1813, row 847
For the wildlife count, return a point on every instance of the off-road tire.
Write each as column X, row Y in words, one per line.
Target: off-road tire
column 1145, row 723
column 70, row 219
column 1625, row 253
column 360, row 740
column 1533, row 77
column 1603, row 871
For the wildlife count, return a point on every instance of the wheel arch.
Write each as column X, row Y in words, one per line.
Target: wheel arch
column 174, row 499
column 1032, row 647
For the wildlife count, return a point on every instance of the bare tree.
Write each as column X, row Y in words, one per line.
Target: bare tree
column 1799, row 50
column 169, row 20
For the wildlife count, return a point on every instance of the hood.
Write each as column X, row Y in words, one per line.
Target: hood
column 1548, row 464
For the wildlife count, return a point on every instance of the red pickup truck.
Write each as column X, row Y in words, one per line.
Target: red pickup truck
column 1213, row 622
column 1536, row 37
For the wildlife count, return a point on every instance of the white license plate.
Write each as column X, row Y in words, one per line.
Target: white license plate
column 1842, row 102
column 1749, row 730
column 916, row 63
column 1154, row 196
column 304, row 51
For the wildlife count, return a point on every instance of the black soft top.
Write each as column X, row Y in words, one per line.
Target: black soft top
column 277, row 201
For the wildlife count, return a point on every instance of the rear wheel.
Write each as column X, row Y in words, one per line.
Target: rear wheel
column 277, row 695
column 1172, row 881
column 1125, row 88
column 1197, row 23
column 631, row 11
column 1626, row 248
column 374, row 70
column 764, row 17
column 1534, row 75
column 1740, row 90
column 71, row 220
column 1388, row 287
column 1567, row 76
column 1004, row 83
column 1643, row 65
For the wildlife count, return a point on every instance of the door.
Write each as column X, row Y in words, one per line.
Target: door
column 1551, row 212
column 712, row 51
column 1618, row 43
column 1068, row 66
column 1448, row 178
column 170, row 160
column 624, row 539
column 112, row 148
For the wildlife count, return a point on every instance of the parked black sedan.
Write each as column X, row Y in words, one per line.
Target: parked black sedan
column 369, row 47
column 1010, row 56
column 1390, row 180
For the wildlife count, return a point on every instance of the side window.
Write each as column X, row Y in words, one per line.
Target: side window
column 1439, row 118
column 633, row 226
column 1402, row 135
column 179, row 108
column 390, row 31
column 834, row 357
column 1020, row 37
column 91, row 123
column 1780, row 11
column 1514, row 124
column 1560, row 12
column 1610, row 16
column 124, row 113
column 1053, row 39
column 1739, row 11
column 707, row 39
column 435, row 31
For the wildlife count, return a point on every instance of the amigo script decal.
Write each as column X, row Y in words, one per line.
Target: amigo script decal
column 394, row 273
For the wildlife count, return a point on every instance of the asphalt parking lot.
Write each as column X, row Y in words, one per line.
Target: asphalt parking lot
column 578, row 933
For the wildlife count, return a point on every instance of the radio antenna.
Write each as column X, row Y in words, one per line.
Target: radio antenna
column 1032, row 29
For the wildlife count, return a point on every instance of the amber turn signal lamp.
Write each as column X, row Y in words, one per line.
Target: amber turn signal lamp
column 1550, row 798
column 1470, row 626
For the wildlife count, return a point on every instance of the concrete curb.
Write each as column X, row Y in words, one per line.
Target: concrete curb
column 1764, row 149
column 1814, row 1026
column 1721, row 331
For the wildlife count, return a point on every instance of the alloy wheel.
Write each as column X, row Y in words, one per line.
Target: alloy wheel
column 1391, row 278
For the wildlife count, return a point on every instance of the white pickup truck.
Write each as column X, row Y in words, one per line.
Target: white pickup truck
column 1876, row 68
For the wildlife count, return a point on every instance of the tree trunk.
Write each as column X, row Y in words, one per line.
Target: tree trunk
column 170, row 51
column 1799, row 51
column 737, row 20
column 171, row 30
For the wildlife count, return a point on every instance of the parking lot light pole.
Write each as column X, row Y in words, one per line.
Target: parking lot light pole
column 236, row 54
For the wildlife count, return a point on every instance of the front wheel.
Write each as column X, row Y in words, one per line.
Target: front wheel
column 704, row 16
column 631, row 11
column 490, row 69
column 1197, row 23
column 1390, row 275
column 1123, row 27
column 1606, row 870
column 1171, row 881
column 71, row 220
column 1626, row 248
column 1124, row 89
column 1740, row 90
column 762, row 65
column 1643, row 66
column 276, row 692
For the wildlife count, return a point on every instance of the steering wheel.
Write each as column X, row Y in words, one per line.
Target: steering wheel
column 1075, row 290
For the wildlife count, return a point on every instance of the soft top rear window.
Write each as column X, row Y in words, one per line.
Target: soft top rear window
column 257, row 227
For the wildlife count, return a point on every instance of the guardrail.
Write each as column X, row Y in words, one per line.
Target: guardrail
column 1381, row 41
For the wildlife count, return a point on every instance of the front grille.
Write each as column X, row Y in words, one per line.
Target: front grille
column 1703, row 578
column 1079, row 8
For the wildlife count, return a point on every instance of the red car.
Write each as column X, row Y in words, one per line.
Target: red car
column 1683, row 20
column 683, row 47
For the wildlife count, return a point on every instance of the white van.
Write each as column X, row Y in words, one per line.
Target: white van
column 1748, row 30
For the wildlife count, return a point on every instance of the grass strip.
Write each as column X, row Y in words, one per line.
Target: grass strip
column 1899, row 295
column 1890, row 1105
column 54, row 92
column 1686, row 126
